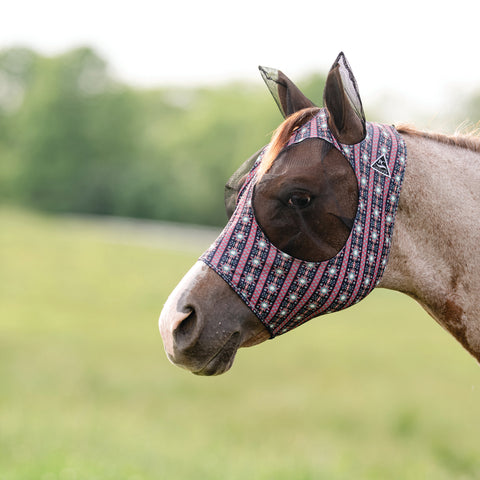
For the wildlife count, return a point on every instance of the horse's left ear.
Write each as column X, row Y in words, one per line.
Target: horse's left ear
column 346, row 118
column 288, row 96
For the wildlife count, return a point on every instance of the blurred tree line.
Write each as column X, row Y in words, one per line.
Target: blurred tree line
column 73, row 139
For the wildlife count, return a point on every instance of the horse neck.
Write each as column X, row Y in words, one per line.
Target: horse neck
column 434, row 256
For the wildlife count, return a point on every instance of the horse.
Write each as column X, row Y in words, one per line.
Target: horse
column 306, row 202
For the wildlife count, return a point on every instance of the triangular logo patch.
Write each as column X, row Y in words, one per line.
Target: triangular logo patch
column 381, row 166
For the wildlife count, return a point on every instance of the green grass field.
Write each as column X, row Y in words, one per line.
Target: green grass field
column 377, row 392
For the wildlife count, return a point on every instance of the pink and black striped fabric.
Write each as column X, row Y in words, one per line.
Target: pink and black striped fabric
column 283, row 291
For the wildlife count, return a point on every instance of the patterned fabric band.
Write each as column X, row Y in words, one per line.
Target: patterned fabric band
column 284, row 291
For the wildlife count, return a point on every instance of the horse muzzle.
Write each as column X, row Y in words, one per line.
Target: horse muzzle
column 201, row 330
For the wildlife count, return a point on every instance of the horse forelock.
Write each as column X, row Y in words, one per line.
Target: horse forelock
column 282, row 135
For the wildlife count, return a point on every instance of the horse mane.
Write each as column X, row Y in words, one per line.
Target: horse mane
column 282, row 135
column 469, row 141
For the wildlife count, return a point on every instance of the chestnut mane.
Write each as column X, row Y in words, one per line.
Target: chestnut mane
column 281, row 136
column 469, row 141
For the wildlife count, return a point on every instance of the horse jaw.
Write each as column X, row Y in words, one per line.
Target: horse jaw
column 204, row 322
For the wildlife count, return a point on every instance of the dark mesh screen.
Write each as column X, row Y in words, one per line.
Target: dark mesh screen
column 235, row 182
column 350, row 85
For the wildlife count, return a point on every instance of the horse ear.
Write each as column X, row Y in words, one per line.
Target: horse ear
column 346, row 118
column 288, row 96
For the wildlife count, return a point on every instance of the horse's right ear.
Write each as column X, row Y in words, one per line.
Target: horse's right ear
column 346, row 119
column 288, row 96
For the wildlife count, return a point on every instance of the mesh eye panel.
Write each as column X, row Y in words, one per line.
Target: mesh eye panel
column 235, row 182
column 319, row 232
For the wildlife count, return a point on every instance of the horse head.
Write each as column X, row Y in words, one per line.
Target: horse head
column 292, row 248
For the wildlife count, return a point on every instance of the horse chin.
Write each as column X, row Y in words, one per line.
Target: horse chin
column 223, row 359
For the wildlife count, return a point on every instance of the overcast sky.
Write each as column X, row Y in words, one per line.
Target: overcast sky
column 420, row 51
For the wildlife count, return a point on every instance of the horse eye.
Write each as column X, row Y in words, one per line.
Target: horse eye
column 299, row 200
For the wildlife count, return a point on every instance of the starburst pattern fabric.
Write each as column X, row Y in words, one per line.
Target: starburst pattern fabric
column 283, row 291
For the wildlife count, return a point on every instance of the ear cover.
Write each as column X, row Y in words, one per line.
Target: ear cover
column 343, row 102
column 287, row 95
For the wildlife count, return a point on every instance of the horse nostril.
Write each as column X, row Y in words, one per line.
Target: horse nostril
column 187, row 331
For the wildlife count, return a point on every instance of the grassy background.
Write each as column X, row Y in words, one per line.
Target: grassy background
column 376, row 392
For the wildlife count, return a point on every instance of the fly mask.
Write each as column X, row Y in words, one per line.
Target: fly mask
column 284, row 291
